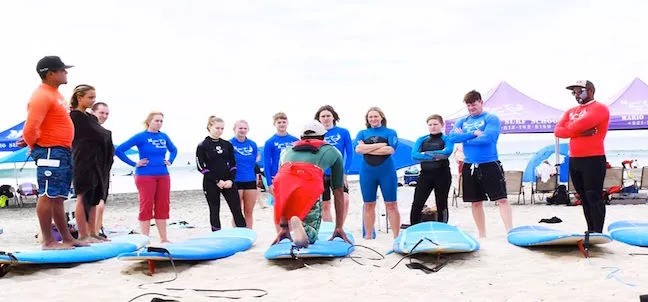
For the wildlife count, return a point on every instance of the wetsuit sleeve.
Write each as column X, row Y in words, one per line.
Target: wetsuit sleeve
column 267, row 161
column 201, row 163
column 459, row 137
column 173, row 151
column 120, row 151
column 337, row 170
column 449, row 147
column 393, row 139
column 38, row 109
column 348, row 151
column 416, row 150
column 590, row 119
column 232, row 162
column 562, row 130
column 359, row 137
column 490, row 134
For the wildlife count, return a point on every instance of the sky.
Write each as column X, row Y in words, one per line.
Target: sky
column 251, row 59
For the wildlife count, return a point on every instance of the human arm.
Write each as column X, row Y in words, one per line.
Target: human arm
column 416, row 150
column 589, row 119
column 490, row 133
column 173, row 151
column 445, row 152
column 120, row 151
column 338, row 199
column 363, row 148
column 348, row 150
column 562, row 130
column 37, row 110
column 267, row 161
column 284, row 232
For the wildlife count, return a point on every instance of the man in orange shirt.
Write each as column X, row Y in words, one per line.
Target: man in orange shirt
column 49, row 132
column 586, row 125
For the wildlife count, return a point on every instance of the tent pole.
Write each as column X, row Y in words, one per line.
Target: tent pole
column 557, row 153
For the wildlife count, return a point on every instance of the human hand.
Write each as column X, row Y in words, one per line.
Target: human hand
column 457, row 130
column 339, row 232
column 589, row 132
column 284, row 233
column 167, row 162
column 142, row 162
column 228, row 184
column 20, row 143
column 478, row 133
column 220, row 184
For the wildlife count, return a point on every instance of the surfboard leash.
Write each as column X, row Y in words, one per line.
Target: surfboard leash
column 419, row 265
column 353, row 258
column 6, row 267
column 260, row 292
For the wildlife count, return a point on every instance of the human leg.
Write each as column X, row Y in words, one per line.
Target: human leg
column 212, row 195
column 424, row 187
column 441, row 191
column 146, row 191
column 233, row 201
column 593, row 205
column 162, row 205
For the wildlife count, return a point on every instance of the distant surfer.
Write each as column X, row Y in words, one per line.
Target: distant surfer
column 299, row 186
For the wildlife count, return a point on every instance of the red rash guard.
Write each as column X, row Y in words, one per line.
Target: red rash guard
column 580, row 119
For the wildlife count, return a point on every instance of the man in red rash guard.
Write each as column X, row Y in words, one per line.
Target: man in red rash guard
column 586, row 125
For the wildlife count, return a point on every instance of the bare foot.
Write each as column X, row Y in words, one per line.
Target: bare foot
column 300, row 239
column 78, row 243
column 54, row 245
column 100, row 238
column 165, row 241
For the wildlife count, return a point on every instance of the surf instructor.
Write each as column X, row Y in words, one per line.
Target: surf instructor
column 586, row 125
column 299, row 184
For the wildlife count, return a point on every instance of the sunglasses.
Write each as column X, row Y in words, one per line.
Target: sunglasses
column 577, row 91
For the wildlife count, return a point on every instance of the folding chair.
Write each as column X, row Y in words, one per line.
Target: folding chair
column 25, row 191
column 613, row 177
column 644, row 179
column 541, row 187
column 457, row 192
column 514, row 184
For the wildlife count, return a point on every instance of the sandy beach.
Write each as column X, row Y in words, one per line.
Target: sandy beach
column 499, row 271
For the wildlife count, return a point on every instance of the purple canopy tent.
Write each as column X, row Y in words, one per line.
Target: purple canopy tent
column 629, row 109
column 517, row 112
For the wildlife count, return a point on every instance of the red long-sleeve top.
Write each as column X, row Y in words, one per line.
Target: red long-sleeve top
column 580, row 119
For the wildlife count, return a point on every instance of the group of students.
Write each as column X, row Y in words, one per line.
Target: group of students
column 70, row 144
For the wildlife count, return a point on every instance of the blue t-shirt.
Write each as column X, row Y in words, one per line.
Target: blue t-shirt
column 481, row 149
column 271, row 152
column 152, row 146
column 245, row 153
column 377, row 135
column 340, row 139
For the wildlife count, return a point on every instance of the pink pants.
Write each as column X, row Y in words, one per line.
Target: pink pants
column 154, row 191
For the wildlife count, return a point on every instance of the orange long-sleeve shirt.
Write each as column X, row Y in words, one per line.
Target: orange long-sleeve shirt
column 580, row 119
column 48, row 122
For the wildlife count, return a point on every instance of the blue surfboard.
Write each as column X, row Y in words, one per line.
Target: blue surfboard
column 94, row 252
column 633, row 232
column 536, row 235
column 322, row 248
column 434, row 238
column 211, row 246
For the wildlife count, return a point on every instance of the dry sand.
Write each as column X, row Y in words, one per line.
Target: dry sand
column 499, row 271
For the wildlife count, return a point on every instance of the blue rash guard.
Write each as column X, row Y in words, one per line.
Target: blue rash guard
column 271, row 152
column 378, row 170
column 478, row 149
column 340, row 139
column 427, row 147
column 152, row 146
column 245, row 153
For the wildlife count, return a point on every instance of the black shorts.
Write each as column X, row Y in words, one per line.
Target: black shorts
column 483, row 181
column 246, row 185
column 326, row 196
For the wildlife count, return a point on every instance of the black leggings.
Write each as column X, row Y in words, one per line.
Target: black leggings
column 212, row 193
column 587, row 175
column 438, row 180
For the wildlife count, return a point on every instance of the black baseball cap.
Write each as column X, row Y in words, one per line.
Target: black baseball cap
column 50, row 63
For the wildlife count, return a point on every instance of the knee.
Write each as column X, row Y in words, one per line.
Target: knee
column 477, row 204
column 370, row 206
column 391, row 206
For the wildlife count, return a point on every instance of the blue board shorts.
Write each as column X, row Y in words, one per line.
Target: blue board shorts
column 54, row 171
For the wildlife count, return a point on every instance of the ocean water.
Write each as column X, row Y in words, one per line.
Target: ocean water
column 184, row 175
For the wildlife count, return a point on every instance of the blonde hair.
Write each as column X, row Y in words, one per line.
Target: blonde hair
column 213, row 119
column 279, row 116
column 149, row 118
column 240, row 122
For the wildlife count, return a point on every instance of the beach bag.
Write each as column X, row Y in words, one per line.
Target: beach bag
column 559, row 196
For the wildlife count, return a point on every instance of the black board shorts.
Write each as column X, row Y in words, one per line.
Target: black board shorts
column 483, row 181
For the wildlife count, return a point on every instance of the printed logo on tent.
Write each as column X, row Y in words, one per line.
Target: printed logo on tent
column 638, row 105
column 14, row 134
column 508, row 110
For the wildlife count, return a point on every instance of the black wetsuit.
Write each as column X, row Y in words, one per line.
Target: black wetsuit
column 435, row 175
column 215, row 160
